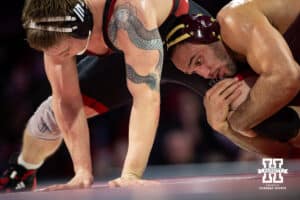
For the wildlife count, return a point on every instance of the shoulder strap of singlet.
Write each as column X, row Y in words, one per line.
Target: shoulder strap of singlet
column 108, row 11
column 175, row 6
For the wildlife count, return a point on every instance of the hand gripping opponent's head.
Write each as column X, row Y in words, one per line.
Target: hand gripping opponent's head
column 52, row 23
column 195, row 46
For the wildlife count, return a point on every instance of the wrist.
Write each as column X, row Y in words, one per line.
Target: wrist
column 83, row 170
column 136, row 161
column 130, row 175
column 224, row 128
column 231, row 122
column 230, row 113
column 130, row 170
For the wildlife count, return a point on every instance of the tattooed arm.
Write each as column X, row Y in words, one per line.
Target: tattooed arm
column 135, row 32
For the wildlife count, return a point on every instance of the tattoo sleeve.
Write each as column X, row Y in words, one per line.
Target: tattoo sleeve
column 125, row 18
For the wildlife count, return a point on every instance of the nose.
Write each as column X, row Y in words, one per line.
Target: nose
column 204, row 71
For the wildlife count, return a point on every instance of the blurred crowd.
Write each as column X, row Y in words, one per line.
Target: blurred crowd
column 183, row 134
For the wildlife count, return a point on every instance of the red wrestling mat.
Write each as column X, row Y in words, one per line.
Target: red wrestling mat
column 237, row 186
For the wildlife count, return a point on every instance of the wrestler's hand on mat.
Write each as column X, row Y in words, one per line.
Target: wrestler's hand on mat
column 79, row 181
column 217, row 103
column 130, row 180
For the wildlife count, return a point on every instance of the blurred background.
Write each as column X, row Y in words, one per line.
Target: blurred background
column 183, row 134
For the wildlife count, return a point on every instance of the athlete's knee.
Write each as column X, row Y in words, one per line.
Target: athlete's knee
column 43, row 124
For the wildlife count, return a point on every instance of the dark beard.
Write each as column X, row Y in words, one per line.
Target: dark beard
column 227, row 57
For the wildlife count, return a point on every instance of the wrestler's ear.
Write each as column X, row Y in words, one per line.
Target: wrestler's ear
column 282, row 126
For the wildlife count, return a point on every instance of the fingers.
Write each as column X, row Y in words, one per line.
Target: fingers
column 114, row 183
column 220, row 87
column 230, row 90
column 226, row 90
column 80, row 184
column 67, row 186
column 121, row 182
column 233, row 95
column 55, row 188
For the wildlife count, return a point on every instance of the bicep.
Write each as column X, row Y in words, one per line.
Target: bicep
column 249, row 32
column 137, row 35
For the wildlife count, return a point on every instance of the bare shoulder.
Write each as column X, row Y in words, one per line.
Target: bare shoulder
column 236, row 20
column 280, row 13
column 241, row 20
column 148, row 9
column 235, row 12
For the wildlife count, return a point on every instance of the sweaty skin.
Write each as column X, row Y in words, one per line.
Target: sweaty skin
column 139, row 36
column 251, row 32
column 222, row 99
column 261, row 24
column 125, row 19
column 133, row 29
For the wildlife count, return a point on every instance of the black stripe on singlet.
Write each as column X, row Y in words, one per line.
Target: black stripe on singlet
column 175, row 6
column 108, row 11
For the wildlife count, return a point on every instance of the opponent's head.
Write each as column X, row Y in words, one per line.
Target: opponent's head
column 195, row 46
column 53, row 25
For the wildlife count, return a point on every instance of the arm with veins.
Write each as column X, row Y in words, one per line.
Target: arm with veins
column 138, row 37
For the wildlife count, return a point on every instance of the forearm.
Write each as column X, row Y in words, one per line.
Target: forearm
column 142, row 128
column 260, row 145
column 73, row 124
column 268, row 54
column 268, row 95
